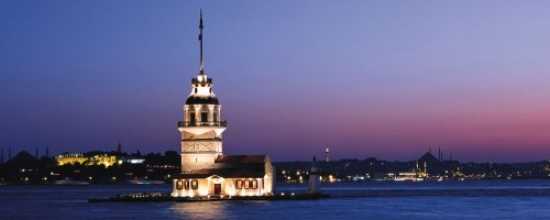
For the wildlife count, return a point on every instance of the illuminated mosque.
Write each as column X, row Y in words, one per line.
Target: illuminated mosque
column 205, row 170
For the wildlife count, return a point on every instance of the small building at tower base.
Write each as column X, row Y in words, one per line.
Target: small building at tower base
column 230, row 175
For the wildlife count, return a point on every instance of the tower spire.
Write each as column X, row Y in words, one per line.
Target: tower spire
column 201, row 26
column 327, row 154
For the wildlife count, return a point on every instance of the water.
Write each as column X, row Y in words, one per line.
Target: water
column 527, row 199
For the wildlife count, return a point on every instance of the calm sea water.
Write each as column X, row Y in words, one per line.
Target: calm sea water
column 526, row 199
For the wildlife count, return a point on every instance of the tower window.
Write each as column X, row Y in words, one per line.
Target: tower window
column 204, row 116
column 192, row 117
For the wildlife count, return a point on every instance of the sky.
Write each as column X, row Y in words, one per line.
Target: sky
column 384, row 79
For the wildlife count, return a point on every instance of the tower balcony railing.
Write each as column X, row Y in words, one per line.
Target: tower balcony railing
column 202, row 123
column 195, row 80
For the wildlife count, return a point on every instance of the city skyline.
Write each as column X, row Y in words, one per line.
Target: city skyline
column 367, row 78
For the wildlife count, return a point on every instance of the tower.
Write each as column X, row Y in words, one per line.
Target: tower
column 426, row 168
column 313, row 183
column 327, row 155
column 119, row 149
column 202, row 127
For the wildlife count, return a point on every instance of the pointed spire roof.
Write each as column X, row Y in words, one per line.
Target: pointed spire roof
column 201, row 92
column 201, row 26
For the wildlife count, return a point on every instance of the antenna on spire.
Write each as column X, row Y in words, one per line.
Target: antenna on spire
column 201, row 26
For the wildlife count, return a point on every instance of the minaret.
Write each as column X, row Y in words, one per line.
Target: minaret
column 202, row 127
column 426, row 168
column 327, row 155
column 119, row 149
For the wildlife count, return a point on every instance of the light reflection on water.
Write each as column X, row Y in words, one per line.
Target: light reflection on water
column 450, row 200
column 201, row 210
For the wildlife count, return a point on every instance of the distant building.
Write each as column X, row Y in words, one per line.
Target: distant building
column 205, row 171
column 73, row 158
column 131, row 160
column 428, row 166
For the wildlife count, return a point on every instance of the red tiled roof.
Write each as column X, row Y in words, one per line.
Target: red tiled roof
column 225, row 173
column 242, row 159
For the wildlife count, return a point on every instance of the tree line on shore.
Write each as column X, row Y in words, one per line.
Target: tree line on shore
column 27, row 169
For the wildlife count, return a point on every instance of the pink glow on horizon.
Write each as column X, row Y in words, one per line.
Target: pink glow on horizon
column 368, row 78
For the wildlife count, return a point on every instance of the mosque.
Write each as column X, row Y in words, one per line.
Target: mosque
column 205, row 170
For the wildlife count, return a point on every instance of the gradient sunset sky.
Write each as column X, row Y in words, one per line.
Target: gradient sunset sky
column 384, row 79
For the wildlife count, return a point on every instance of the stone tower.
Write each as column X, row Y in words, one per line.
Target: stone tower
column 202, row 127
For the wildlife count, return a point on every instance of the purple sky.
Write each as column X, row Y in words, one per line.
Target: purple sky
column 388, row 79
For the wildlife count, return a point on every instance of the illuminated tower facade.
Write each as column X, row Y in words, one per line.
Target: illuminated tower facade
column 327, row 155
column 202, row 127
